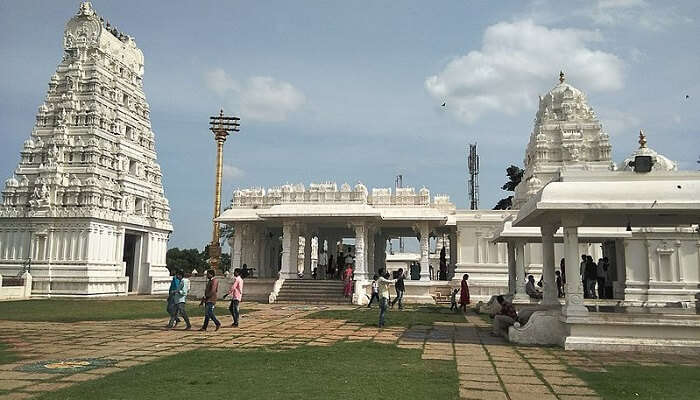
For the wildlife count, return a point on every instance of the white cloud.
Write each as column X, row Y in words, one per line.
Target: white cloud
column 267, row 99
column 260, row 98
column 516, row 61
column 220, row 82
column 619, row 123
column 231, row 172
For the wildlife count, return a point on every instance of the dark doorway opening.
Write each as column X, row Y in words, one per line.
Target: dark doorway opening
column 130, row 242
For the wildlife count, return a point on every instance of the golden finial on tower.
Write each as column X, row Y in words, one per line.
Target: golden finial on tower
column 642, row 139
column 561, row 77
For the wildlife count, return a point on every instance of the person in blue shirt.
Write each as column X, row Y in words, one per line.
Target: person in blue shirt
column 172, row 306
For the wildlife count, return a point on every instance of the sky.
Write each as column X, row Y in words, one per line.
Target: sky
column 351, row 91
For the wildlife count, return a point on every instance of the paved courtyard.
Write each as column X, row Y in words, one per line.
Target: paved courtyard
column 488, row 367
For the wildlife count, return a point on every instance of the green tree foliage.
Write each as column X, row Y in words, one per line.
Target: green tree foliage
column 186, row 260
column 515, row 175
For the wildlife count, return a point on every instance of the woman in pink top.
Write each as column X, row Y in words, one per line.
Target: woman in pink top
column 236, row 293
column 347, row 277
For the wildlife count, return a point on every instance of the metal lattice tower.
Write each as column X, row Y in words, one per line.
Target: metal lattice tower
column 473, row 185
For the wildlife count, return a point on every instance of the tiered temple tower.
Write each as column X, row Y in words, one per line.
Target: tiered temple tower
column 85, row 207
column 566, row 135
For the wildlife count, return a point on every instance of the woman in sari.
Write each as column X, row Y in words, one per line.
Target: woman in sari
column 464, row 293
column 347, row 278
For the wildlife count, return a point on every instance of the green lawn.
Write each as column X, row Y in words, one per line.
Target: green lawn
column 358, row 370
column 421, row 315
column 644, row 383
column 66, row 310
column 7, row 356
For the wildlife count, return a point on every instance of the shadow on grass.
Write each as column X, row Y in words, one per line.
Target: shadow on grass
column 6, row 355
column 644, row 382
column 409, row 316
column 357, row 370
column 69, row 310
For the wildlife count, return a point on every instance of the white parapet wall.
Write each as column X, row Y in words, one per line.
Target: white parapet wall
column 16, row 292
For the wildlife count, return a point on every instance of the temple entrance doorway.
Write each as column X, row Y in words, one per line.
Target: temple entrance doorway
column 132, row 252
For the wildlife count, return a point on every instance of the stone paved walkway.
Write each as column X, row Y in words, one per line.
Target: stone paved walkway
column 488, row 367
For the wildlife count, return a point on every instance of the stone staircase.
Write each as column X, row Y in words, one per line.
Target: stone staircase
column 311, row 291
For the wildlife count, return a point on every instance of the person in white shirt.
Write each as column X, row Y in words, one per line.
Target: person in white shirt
column 349, row 260
column 384, row 283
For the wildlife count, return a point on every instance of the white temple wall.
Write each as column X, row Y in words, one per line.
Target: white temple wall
column 485, row 262
column 82, row 257
column 662, row 266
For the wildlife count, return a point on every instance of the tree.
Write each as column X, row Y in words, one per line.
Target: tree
column 186, row 260
column 515, row 175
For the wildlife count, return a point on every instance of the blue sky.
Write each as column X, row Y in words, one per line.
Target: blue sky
column 349, row 91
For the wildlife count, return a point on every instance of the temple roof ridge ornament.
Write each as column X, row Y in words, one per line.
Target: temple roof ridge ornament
column 659, row 162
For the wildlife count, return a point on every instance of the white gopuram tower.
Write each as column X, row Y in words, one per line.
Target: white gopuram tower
column 85, row 208
column 566, row 135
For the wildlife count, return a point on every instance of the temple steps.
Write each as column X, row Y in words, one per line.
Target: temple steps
column 312, row 292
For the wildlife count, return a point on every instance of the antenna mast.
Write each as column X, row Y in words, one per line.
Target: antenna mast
column 473, row 185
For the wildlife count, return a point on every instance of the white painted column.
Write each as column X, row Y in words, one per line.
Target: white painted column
column 520, row 271
column 574, row 288
column 289, row 255
column 237, row 250
column 453, row 256
column 424, row 230
column 307, row 255
column 360, row 252
column 371, row 236
column 511, row 267
column 550, row 296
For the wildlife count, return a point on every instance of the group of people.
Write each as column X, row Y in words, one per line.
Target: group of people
column 593, row 274
column 380, row 291
column 177, row 299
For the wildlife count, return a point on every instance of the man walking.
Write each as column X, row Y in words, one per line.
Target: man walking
column 172, row 306
column 209, row 300
column 180, row 299
column 399, row 290
column 384, row 283
column 236, row 293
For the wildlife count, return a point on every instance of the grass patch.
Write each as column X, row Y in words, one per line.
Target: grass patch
column 7, row 356
column 409, row 316
column 66, row 310
column 343, row 371
column 642, row 383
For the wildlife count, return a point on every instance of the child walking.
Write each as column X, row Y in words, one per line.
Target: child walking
column 375, row 291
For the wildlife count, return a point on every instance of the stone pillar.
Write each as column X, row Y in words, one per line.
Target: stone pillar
column 520, row 271
column 236, row 249
column 371, row 269
column 550, row 296
column 574, row 288
column 453, row 256
column 621, row 272
column 424, row 230
column 307, row 255
column 360, row 252
column 511, row 267
column 290, row 240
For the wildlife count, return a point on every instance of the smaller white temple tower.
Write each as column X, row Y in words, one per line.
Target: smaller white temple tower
column 566, row 136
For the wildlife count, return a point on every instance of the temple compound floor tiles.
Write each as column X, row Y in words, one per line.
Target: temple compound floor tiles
column 57, row 355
